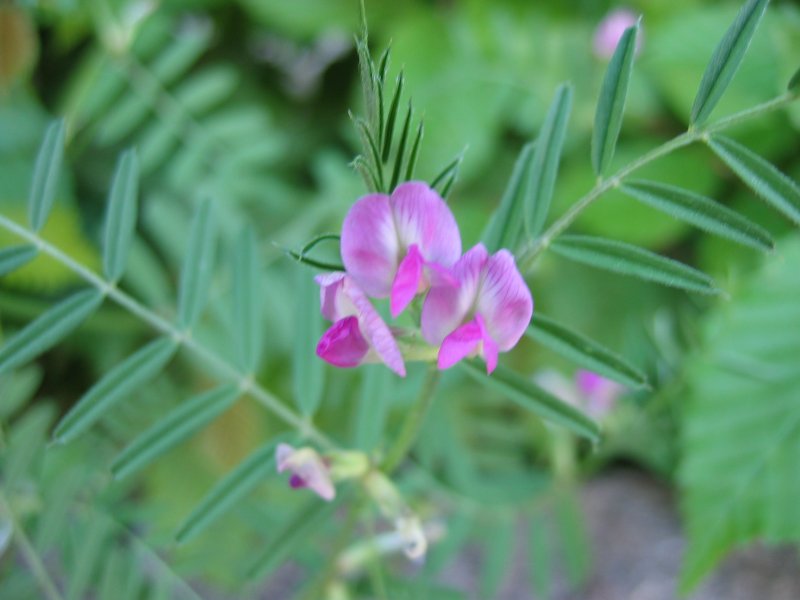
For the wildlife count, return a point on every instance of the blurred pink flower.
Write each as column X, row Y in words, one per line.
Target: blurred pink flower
column 358, row 333
column 599, row 394
column 610, row 30
column 395, row 245
column 308, row 470
column 484, row 312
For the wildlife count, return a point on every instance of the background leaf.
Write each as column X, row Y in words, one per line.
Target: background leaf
column 197, row 267
column 505, row 224
column 308, row 369
column 45, row 175
column 120, row 216
column 14, row 257
column 246, row 303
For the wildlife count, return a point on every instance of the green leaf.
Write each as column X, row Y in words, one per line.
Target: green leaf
column 401, row 149
column 14, row 257
column 45, row 175
column 780, row 192
column 546, row 156
column 541, row 557
column 391, row 117
column 726, row 60
column 584, row 351
column 794, row 82
column 531, row 397
column 627, row 259
column 169, row 431
column 505, row 226
column 307, row 370
column 198, row 266
column 246, row 314
column 448, row 174
column 371, row 410
column 573, row 537
column 81, row 572
column 412, row 155
column 699, row 211
column 250, row 473
column 610, row 106
column 48, row 329
column 498, row 546
column 125, row 378
column 121, row 216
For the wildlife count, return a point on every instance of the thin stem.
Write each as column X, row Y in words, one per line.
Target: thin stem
column 245, row 381
column 29, row 554
column 527, row 256
column 412, row 425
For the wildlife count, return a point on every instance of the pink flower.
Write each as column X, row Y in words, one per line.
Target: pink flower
column 484, row 313
column 308, row 470
column 610, row 30
column 600, row 394
column 395, row 245
column 358, row 333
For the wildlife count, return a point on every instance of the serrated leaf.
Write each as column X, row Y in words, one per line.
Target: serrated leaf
column 726, row 59
column 307, row 373
column 14, row 257
column 546, row 156
column 780, row 192
column 630, row 260
column 505, row 225
column 48, row 329
column 584, row 351
column 531, row 397
column 172, row 429
column 197, row 267
column 611, row 105
column 250, row 473
column 702, row 212
column 126, row 377
column 45, row 175
column 121, row 216
column 246, row 303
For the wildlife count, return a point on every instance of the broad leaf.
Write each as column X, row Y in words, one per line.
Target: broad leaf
column 45, row 175
column 627, row 259
column 121, row 216
column 726, row 60
column 14, row 257
column 764, row 179
column 505, row 226
column 197, row 267
column 48, row 329
column 611, row 105
column 530, row 396
column 169, row 431
column 126, row 377
column 699, row 211
column 584, row 351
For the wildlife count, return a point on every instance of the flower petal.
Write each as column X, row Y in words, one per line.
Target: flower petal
column 464, row 341
column 489, row 348
column 369, row 245
column 447, row 305
column 375, row 330
column 407, row 281
column 504, row 301
column 283, row 454
column 343, row 345
column 307, row 468
column 421, row 217
column 330, row 296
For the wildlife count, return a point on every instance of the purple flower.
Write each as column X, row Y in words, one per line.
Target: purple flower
column 484, row 312
column 610, row 30
column 308, row 470
column 600, row 394
column 396, row 245
column 358, row 333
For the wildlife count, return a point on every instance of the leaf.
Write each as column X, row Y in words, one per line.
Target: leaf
column 498, row 546
column 546, row 156
column 198, row 266
column 531, row 397
column 45, row 175
column 391, row 117
column 702, row 212
column 541, row 553
column 630, row 260
column 794, row 82
column 14, row 257
column 447, row 173
column 412, row 155
column 126, row 377
column 584, row 351
column 610, row 106
column 401, row 149
column 370, row 418
column 81, row 573
column 307, row 371
column 242, row 480
column 121, row 216
column 572, row 532
column 169, row 431
column 780, row 192
column 48, row 329
column 726, row 60
column 246, row 304
column 505, row 226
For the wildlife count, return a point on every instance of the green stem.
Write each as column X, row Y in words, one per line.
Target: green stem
column 29, row 554
column 527, row 256
column 412, row 425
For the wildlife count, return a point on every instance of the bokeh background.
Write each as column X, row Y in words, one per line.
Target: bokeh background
column 247, row 101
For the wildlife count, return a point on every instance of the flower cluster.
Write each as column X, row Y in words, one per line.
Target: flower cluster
column 405, row 246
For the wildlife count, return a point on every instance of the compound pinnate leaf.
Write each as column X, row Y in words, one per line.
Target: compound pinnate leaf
column 121, row 216
column 45, row 175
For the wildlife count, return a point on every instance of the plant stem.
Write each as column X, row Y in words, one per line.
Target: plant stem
column 225, row 369
column 412, row 425
column 29, row 553
column 527, row 256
